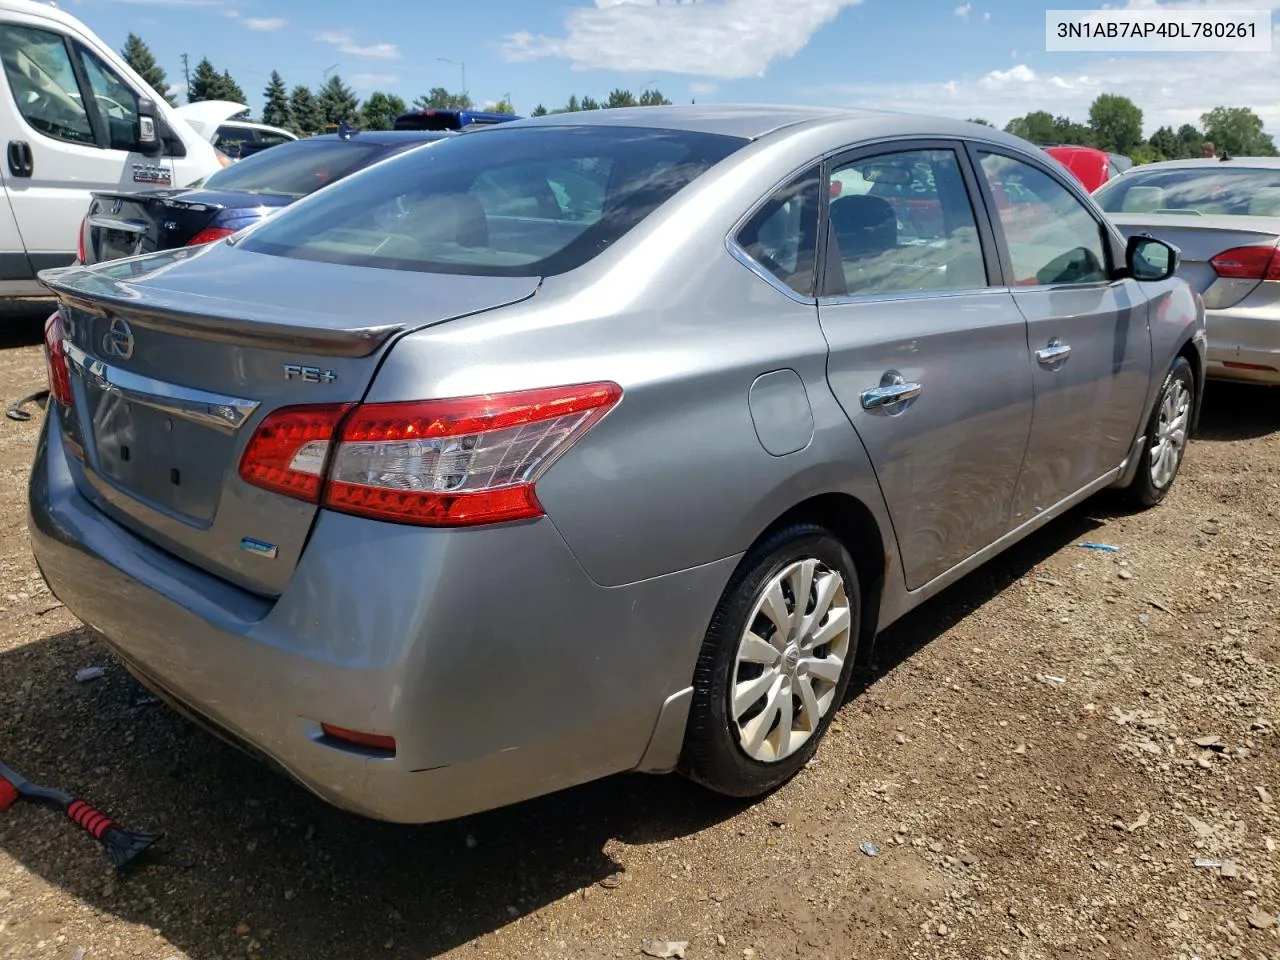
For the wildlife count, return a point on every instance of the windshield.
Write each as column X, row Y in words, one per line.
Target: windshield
column 532, row 201
column 1195, row 191
column 296, row 168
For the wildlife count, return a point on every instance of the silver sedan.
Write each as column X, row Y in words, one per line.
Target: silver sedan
column 593, row 443
column 1224, row 216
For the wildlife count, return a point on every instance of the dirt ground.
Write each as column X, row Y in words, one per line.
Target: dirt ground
column 1040, row 756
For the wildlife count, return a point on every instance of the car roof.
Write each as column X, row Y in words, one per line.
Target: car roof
column 1255, row 163
column 748, row 121
column 388, row 138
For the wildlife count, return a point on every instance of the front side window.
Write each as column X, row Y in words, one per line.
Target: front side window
column 532, row 201
column 116, row 102
column 782, row 236
column 903, row 223
column 43, row 83
column 1052, row 237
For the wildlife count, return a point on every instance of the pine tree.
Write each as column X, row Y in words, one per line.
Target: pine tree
column 137, row 55
column 337, row 102
column 381, row 109
column 206, row 84
column 539, row 111
column 276, row 111
column 307, row 118
column 230, row 90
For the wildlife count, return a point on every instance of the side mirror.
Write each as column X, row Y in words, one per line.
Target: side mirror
column 1150, row 259
column 149, row 141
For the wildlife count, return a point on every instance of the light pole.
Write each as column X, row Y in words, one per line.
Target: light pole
column 328, row 70
column 458, row 63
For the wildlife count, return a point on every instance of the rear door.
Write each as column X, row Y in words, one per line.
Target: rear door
column 1088, row 330
column 928, row 350
column 72, row 124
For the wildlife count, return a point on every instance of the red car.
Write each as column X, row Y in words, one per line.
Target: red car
column 1091, row 167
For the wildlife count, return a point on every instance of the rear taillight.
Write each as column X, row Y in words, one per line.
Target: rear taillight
column 56, row 359
column 437, row 463
column 288, row 450
column 209, row 235
column 1248, row 263
column 80, row 244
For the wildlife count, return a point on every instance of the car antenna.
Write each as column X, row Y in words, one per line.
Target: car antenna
column 1224, row 157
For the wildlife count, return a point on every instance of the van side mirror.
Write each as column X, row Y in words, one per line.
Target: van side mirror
column 1150, row 259
column 150, row 143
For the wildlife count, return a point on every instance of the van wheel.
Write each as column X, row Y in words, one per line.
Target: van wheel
column 775, row 663
column 1167, row 434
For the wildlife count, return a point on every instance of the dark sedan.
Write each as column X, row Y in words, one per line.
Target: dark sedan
column 127, row 224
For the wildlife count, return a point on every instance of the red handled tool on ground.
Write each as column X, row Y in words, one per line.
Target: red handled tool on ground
column 122, row 845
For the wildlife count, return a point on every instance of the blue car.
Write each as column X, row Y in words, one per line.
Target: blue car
column 128, row 224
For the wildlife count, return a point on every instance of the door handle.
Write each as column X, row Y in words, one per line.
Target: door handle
column 894, row 391
column 1055, row 353
column 21, row 163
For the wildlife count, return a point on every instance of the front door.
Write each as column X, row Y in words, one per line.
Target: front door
column 72, row 126
column 928, row 352
column 1087, row 329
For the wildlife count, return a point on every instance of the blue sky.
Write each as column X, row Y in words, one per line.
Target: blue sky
column 971, row 58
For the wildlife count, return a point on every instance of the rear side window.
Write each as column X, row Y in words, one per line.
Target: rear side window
column 43, row 84
column 782, row 236
column 296, row 168
column 529, row 201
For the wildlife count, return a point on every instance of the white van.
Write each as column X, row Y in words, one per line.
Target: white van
column 75, row 118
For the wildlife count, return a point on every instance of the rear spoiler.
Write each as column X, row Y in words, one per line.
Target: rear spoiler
column 171, row 202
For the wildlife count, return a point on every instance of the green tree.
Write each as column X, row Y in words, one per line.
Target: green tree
column 138, row 55
column 590, row 103
column 307, row 118
column 653, row 98
column 381, row 110
column 1164, row 143
column 504, row 106
column 1190, row 141
column 439, row 98
column 206, row 83
column 620, row 98
column 230, row 90
column 1066, row 130
column 1037, row 126
column 539, row 111
column 1237, row 131
column 981, row 122
column 276, row 111
column 338, row 102
column 1116, row 122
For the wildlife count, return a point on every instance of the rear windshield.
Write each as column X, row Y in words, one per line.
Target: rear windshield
column 531, row 201
column 1202, row 191
column 296, row 168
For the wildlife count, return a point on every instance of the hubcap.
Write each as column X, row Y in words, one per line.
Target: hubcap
column 1171, row 434
column 789, row 660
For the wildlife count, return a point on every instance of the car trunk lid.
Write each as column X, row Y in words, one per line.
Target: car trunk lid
column 1201, row 238
column 171, row 375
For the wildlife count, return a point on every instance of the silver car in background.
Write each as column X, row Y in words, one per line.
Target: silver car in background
column 1224, row 217
column 593, row 443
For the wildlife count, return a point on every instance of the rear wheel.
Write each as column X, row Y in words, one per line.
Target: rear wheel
column 775, row 663
column 1167, row 436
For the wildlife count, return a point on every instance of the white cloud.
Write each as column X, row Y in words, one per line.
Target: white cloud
column 233, row 14
column 1171, row 89
column 726, row 39
column 374, row 51
column 986, row 16
column 963, row 10
column 372, row 81
column 703, row 89
column 265, row 24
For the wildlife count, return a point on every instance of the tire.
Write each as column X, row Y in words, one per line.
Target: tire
column 747, row 754
column 1174, row 405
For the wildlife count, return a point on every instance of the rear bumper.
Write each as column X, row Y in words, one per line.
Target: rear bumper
column 500, row 668
column 1244, row 343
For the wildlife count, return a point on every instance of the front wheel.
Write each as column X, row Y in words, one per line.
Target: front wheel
column 1167, row 436
column 775, row 663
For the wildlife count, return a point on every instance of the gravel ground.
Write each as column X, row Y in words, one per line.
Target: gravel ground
column 1040, row 756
